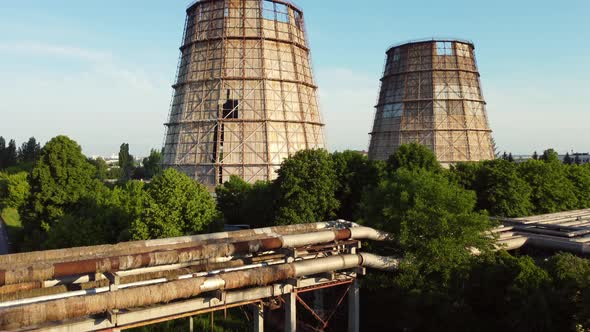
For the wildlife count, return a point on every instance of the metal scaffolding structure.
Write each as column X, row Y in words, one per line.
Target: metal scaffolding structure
column 245, row 97
column 431, row 94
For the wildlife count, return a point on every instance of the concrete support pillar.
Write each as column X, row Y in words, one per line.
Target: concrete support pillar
column 291, row 312
column 258, row 312
column 190, row 324
column 353, row 307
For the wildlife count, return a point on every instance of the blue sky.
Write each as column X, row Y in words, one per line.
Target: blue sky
column 100, row 71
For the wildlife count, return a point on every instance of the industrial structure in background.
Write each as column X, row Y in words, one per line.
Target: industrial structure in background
column 430, row 94
column 244, row 97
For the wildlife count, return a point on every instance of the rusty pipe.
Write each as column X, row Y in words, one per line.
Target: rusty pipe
column 79, row 306
column 126, row 248
column 40, row 272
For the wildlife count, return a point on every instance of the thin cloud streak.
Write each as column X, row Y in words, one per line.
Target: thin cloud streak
column 37, row 48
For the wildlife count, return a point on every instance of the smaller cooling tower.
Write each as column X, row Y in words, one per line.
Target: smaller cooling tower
column 431, row 94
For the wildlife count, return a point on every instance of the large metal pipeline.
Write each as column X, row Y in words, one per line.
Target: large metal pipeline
column 44, row 271
column 126, row 248
column 37, row 313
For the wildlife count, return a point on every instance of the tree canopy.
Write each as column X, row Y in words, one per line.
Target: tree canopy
column 14, row 190
column 176, row 205
column 126, row 163
column 59, row 179
column 305, row 188
column 413, row 156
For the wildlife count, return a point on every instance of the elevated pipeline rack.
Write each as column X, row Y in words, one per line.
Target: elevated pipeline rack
column 115, row 287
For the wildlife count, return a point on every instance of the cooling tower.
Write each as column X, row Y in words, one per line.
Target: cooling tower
column 431, row 94
column 244, row 97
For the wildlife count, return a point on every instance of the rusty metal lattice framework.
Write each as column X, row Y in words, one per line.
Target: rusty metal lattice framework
column 431, row 94
column 244, row 97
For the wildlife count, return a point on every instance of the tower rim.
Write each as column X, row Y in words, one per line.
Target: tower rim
column 286, row 3
column 429, row 40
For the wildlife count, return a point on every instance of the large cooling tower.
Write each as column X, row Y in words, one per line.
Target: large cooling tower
column 430, row 94
column 244, row 97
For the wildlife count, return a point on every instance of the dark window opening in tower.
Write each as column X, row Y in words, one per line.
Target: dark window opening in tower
column 230, row 107
column 214, row 156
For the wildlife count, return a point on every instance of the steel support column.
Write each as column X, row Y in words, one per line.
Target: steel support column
column 291, row 312
column 258, row 313
column 353, row 307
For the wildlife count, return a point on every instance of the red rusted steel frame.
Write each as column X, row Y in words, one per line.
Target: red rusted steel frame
column 326, row 285
column 336, row 307
column 310, row 309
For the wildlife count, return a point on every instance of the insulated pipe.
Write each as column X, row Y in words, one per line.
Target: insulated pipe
column 126, row 248
column 383, row 263
column 37, row 313
column 44, row 271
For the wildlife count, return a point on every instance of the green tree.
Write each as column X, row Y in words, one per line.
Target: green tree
column 535, row 156
column 306, row 186
column 571, row 277
column 10, row 154
column 354, row 172
column 126, row 163
column 466, row 174
column 2, row 153
column 153, row 164
column 501, row 191
column 243, row 203
column 552, row 191
column 510, row 158
column 579, row 176
column 60, row 178
column 101, row 167
column 549, row 156
column 14, row 190
column 413, row 156
column 176, row 205
column 102, row 217
column 29, row 151
column 433, row 219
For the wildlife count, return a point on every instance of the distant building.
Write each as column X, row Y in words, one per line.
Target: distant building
column 578, row 158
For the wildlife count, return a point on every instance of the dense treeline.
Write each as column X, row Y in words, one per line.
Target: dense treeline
column 63, row 200
column 439, row 217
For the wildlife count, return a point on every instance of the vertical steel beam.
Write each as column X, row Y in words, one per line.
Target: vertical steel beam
column 258, row 313
column 190, row 324
column 291, row 312
column 353, row 307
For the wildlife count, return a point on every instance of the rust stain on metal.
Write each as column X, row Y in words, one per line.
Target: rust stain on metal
column 77, row 267
column 272, row 243
column 342, row 234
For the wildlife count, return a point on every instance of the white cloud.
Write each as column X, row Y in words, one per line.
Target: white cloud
column 37, row 48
